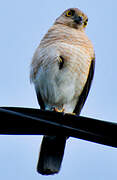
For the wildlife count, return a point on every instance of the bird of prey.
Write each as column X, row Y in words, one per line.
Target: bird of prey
column 62, row 70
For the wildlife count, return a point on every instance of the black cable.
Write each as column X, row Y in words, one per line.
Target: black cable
column 28, row 121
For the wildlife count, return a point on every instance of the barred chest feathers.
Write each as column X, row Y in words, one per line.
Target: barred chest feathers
column 61, row 87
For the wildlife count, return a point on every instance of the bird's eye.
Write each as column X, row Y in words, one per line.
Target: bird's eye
column 69, row 13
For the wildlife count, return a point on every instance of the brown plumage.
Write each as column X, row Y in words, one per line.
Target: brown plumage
column 62, row 71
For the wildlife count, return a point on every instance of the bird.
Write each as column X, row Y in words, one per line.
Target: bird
column 62, row 71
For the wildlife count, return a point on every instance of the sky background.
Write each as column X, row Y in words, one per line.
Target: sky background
column 22, row 25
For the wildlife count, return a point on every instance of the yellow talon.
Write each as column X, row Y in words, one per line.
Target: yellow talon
column 71, row 113
column 61, row 62
column 59, row 110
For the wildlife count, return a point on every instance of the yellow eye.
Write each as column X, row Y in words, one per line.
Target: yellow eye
column 69, row 13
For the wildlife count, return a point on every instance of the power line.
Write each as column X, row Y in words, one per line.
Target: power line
column 28, row 121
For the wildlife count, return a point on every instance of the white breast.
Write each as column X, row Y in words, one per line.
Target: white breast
column 61, row 88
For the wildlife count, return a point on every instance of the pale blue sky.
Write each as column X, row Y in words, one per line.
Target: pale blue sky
column 22, row 25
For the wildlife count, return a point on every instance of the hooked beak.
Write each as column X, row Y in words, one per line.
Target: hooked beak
column 78, row 19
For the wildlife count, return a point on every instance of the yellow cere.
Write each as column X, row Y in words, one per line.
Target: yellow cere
column 85, row 23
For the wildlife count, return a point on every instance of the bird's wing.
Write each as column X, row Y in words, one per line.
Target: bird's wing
column 84, row 94
column 40, row 101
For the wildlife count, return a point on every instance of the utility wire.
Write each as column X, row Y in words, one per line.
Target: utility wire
column 28, row 121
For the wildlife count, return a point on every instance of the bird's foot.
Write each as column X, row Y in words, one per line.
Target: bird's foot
column 59, row 110
column 71, row 113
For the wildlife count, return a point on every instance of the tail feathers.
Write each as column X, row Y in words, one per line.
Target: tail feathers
column 51, row 155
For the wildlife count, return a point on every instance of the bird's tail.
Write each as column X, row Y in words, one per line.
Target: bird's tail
column 51, row 154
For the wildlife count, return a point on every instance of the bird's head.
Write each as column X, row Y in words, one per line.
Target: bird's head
column 73, row 18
